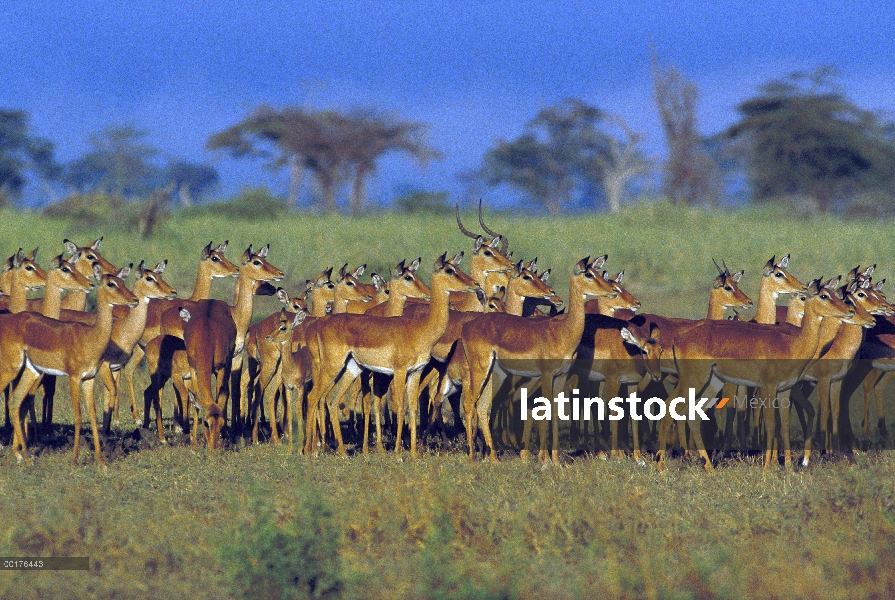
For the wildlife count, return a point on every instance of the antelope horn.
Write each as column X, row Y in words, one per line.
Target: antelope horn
column 463, row 230
column 717, row 266
column 504, row 242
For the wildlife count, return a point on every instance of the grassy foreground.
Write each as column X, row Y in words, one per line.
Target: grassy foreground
column 264, row 522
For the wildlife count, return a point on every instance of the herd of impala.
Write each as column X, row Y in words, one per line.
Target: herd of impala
column 348, row 347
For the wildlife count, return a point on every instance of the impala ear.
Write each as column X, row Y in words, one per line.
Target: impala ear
column 18, row 258
column 96, row 243
column 814, row 287
column 195, row 404
column 737, row 276
column 533, row 265
column 125, row 271
column 620, row 276
column 74, row 258
column 457, row 258
column 70, row 246
column 853, row 287
column 206, row 251
column 545, row 275
column 264, row 250
column 784, row 262
column 325, row 276
column 140, row 269
column 299, row 318
column 494, row 243
column 359, row 271
column 479, row 242
column 879, row 285
column 32, row 255
column 282, row 295
column 599, row 261
column 581, row 265
column 185, row 315
column 378, row 282
column 441, row 261
column 160, row 268
column 57, row 262
column 97, row 272
column 398, row 270
column 518, row 267
column 769, row 267
column 247, row 255
column 833, row 283
column 222, row 247
column 630, row 338
column 415, row 264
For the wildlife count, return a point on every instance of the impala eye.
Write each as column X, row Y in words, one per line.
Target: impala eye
column 349, row 283
column 408, row 278
column 110, row 284
column 488, row 253
column 728, row 288
column 29, row 268
column 215, row 259
column 824, row 297
column 66, row 270
column 589, row 275
column 778, row 274
column 257, row 263
column 527, row 278
column 862, row 295
column 449, row 271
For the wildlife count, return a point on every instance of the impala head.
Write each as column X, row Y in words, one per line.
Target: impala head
column 650, row 348
column 149, row 283
column 63, row 275
column 554, row 300
column 22, row 270
column 293, row 305
column 495, row 305
column 587, row 280
column 214, row 264
column 726, row 291
column 89, row 255
column 321, row 291
column 282, row 332
column 864, row 299
column 447, row 276
column 212, row 420
column 406, row 283
column 877, row 290
column 349, row 287
column 489, row 265
column 822, row 301
column 625, row 299
column 111, row 289
column 256, row 268
column 381, row 285
column 524, row 281
column 779, row 279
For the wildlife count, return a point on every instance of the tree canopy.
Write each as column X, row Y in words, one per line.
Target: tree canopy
column 21, row 153
column 328, row 143
column 804, row 136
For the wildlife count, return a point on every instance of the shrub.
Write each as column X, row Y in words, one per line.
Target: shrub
column 418, row 201
column 250, row 204
column 284, row 557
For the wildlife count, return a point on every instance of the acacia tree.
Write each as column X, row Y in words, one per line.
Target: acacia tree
column 691, row 176
column 367, row 136
column 21, row 153
column 120, row 163
column 804, row 136
column 559, row 152
column 327, row 143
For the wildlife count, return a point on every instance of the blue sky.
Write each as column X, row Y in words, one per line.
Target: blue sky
column 475, row 71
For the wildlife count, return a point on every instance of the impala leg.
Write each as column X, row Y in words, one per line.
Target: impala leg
column 769, row 415
column 16, row 398
column 878, row 393
column 128, row 371
column 48, row 382
column 835, row 392
column 785, row 410
column 290, row 411
column 110, row 407
column 484, row 411
column 88, row 387
column 412, row 402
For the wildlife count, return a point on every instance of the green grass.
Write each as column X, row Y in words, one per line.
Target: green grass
column 261, row 521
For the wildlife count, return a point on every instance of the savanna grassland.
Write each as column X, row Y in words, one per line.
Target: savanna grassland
column 262, row 521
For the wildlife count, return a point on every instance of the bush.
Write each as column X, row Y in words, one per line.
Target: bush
column 285, row 557
column 250, row 204
column 99, row 211
column 418, row 201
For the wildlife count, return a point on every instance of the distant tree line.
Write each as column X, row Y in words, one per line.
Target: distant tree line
column 797, row 137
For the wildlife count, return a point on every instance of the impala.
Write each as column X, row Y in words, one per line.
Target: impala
column 45, row 345
column 770, row 358
column 212, row 265
column 87, row 255
column 400, row 346
column 548, row 345
column 296, row 371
